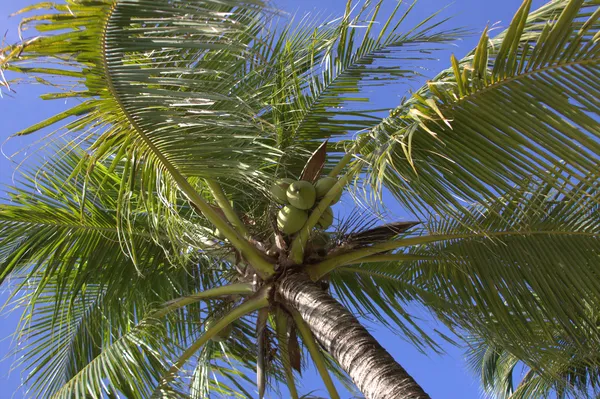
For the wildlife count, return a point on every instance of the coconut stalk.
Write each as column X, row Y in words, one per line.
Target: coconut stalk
column 298, row 246
column 299, row 243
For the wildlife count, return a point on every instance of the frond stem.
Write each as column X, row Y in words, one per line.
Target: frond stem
column 389, row 258
column 301, row 239
column 261, row 300
column 348, row 156
column 221, row 198
column 282, row 337
column 263, row 267
column 315, row 353
column 233, row 289
column 321, row 269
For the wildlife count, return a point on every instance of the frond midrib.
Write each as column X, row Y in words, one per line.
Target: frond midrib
column 110, row 86
column 75, row 330
column 517, row 77
column 73, row 226
column 491, row 234
column 109, row 81
column 251, row 253
column 327, row 87
column 367, row 272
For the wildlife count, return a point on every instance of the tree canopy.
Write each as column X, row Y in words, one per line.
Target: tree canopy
column 187, row 112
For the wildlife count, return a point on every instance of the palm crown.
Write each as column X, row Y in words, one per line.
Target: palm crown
column 191, row 110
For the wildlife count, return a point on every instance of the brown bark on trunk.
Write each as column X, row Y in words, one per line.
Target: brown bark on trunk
column 371, row 367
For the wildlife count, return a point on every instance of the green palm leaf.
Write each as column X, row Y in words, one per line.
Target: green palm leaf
column 515, row 107
column 500, row 281
column 186, row 104
column 572, row 376
column 80, row 218
column 493, row 272
column 350, row 68
column 143, row 61
column 325, row 76
column 384, row 291
column 77, row 292
column 204, row 110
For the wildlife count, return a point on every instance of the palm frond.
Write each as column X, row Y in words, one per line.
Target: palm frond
column 512, row 281
column 142, row 94
column 329, row 74
column 159, row 68
column 506, row 271
column 351, row 66
column 573, row 376
column 99, row 344
column 235, row 85
column 377, row 291
column 515, row 107
column 73, row 263
column 70, row 229
column 70, row 344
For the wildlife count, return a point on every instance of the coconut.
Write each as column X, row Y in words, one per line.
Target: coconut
column 301, row 194
column 290, row 219
column 326, row 219
column 279, row 188
column 322, row 187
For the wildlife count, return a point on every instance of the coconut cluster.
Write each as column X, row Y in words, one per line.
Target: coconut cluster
column 298, row 197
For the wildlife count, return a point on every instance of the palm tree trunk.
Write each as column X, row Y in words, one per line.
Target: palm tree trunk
column 371, row 367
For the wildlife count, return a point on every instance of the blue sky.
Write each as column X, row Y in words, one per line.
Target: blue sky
column 441, row 376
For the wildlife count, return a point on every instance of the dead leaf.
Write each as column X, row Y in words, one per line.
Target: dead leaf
column 315, row 164
column 294, row 350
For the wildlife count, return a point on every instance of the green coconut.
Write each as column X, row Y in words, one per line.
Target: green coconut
column 279, row 188
column 301, row 194
column 322, row 187
column 326, row 219
column 290, row 219
column 222, row 335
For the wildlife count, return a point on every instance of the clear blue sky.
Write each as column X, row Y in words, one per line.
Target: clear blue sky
column 441, row 376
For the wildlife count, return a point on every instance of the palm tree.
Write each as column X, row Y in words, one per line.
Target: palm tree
column 147, row 251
